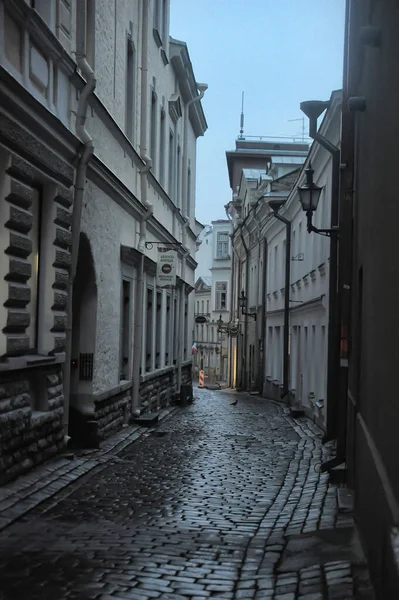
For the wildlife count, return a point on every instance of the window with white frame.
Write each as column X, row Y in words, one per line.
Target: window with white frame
column 130, row 88
column 153, row 129
column 171, row 158
column 188, row 201
column 162, row 148
column 222, row 244
column 221, row 295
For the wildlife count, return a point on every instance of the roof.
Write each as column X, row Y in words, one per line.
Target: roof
column 203, row 284
column 289, row 160
column 181, row 62
column 254, row 173
column 207, row 281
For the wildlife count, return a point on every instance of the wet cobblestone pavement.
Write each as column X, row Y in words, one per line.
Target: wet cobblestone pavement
column 219, row 501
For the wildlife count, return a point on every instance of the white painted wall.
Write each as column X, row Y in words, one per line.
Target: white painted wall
column 309, row 290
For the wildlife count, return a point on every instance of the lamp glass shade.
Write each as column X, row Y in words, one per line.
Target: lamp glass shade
column 309, row 196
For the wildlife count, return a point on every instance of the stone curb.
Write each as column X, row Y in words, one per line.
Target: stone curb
column 28, row 491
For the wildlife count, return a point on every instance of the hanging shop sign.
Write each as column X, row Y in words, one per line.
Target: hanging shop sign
column 166, row 267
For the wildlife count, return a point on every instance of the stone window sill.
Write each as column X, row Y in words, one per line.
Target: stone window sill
column 14, row 363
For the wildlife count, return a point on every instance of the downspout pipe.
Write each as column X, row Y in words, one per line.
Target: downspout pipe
column 264, row 319
column 286, row 341
column 244, row 354
column 181, row 327
column 80, row 185
column 201, row 87
column 149, row 211
column 333, row 351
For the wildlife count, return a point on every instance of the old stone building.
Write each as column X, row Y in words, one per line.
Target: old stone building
column 99, row 117
column 255, row 166
column 212, row 301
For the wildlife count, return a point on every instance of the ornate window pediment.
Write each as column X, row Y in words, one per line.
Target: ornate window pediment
column 175, row 111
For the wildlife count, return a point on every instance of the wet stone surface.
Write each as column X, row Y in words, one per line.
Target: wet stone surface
column 207, row 506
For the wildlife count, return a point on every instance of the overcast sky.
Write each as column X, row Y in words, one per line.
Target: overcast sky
column 279, row 52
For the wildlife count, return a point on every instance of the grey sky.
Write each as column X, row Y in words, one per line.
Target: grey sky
column 279, row 52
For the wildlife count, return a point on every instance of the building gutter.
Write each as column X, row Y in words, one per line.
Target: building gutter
column 244, row 353
column 80, row 185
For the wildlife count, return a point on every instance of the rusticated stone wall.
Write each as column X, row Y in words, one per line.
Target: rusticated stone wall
column 31, row 429
column 111, row 414
column 161, row 389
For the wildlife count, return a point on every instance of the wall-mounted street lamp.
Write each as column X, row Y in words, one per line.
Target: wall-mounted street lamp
column 243, row 305
column 221, row 327
column 309, row 196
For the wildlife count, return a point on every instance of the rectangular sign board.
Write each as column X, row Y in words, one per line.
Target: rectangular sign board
column 166, row 268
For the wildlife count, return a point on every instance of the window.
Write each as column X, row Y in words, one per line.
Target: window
column 185, row 328
column 125, row 331
column 45, row 10
column 222, row 246
column 149, row 330
column 153, row 132
column 221, row 295
column 158, row 331
column 162, row 149
column 189, row 189
column 178, row 170
column 130, row 89
column 207, row 307
column 168, row 329
column 175, row 341
column 171, row 182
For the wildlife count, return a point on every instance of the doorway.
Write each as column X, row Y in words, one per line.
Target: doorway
column 84, row 321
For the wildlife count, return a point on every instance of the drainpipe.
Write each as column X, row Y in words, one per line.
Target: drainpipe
column 139, row 298
column 80, row 184
column 244, row 353
column 334, row 334
column 201, row 87
column 263, row 320
column 181, row 329
column 286, row 341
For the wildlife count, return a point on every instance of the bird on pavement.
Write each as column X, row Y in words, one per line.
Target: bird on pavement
column 234, row 402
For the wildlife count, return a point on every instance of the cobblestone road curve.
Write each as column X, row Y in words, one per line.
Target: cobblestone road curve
column 219, row 502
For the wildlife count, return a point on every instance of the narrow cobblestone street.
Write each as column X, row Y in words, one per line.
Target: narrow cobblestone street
column 219, row 501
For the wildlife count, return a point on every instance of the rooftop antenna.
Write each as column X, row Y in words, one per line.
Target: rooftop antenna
column 303, row 126
column 242, row 118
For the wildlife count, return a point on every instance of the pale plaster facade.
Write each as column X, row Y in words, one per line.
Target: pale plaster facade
column 213, row 299
column 254, row 166
column 139, row 187
column 260, row 244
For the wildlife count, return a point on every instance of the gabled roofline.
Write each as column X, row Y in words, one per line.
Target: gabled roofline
column 183, row 68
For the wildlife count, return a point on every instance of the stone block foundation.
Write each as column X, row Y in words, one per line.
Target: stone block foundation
column 31, row 427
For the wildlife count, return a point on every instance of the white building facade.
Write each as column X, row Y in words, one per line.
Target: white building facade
column 213, row 301
column 309, row 286
column 100, row 120
column 254, row 167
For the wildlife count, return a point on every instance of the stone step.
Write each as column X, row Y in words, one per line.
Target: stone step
column 147, row 419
